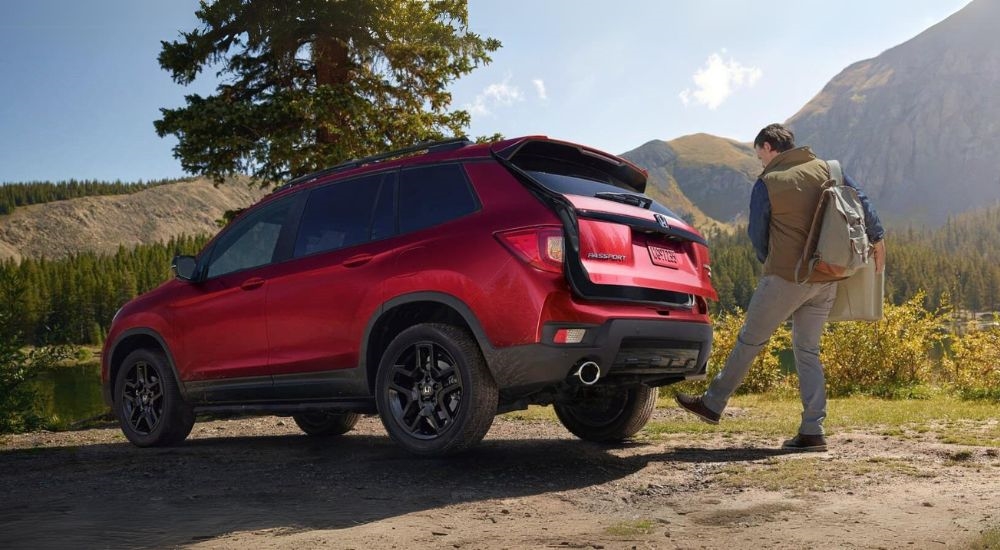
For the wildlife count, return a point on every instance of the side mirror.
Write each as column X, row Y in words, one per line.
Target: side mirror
column 184, row 267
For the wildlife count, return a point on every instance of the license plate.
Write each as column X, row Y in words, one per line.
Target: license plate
column 665, row 257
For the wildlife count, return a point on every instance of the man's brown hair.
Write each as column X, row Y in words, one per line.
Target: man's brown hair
column 780, row 138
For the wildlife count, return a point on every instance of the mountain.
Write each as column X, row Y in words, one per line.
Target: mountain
column 102, row 224
column 714, row 173
column 919, row 125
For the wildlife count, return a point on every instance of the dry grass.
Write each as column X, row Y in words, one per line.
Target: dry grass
column 987, row 540
column 631, row 528
column 805, row 475
column 943, row 418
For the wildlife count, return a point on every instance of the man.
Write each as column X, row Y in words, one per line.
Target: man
column 782, row 205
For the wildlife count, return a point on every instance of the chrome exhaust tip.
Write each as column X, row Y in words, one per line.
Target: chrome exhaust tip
column 588, row 373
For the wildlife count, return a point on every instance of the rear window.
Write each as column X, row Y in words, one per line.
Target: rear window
column 432, row 195
column 587, row 187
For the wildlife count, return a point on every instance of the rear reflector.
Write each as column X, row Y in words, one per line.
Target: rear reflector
column 569, row 335
column 542, row 247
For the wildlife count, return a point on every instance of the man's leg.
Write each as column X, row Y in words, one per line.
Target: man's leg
column 807, row 327
column 772, row 302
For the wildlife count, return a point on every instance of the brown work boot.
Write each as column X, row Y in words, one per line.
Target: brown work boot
column 804, row 442
column 695, row 406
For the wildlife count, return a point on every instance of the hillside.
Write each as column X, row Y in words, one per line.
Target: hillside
column 662, row 186
column 919, row 125
column 102, row 224
column 713, row 173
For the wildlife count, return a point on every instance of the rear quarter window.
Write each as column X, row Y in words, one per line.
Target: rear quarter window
column 432, row 195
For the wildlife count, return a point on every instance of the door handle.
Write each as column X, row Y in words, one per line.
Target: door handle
column 252, row 283
column 359, row 260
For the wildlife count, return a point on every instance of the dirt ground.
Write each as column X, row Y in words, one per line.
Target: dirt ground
column 259, row 483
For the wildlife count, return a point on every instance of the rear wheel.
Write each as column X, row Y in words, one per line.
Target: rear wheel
column 326, row 423
column 148, row 401
column 608, row 414
column 435, row 395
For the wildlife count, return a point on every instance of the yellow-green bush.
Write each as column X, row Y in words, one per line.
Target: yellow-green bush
column 888, row 358
column 765, row 373
column 974, row 363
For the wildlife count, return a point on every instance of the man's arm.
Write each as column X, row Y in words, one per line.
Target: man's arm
column 760, row 220
column 873, row 225
column 872, row 222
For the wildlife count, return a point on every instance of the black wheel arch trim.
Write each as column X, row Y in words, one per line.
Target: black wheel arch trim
column 106, row 390
column 426, row 296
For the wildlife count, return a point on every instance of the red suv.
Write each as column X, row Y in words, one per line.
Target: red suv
column 437, row 286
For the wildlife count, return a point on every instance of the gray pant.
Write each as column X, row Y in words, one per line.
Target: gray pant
column 774, row 300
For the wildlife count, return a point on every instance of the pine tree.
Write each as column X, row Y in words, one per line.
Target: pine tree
column 311, row 83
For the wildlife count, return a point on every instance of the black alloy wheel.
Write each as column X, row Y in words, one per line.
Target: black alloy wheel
column 142, row 397
column 326, row 423
column 425, row 391
column 148, row 402
column 434, row 393
column 607, row 414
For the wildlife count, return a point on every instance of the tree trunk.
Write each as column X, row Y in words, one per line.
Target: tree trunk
column 331, row 62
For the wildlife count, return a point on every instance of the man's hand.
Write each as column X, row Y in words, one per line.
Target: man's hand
column 879, row 254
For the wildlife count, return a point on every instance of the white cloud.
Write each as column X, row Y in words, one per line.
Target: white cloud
column 500, row 94
column 540, row 88
column 717, row 80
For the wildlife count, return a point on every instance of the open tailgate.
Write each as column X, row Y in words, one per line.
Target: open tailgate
column 620, row 244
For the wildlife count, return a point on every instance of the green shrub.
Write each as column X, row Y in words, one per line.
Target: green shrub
column 765, row 374
column 890, row 358
column 17, row 363
column 974, row 363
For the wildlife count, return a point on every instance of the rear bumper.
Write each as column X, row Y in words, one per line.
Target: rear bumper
column 648, row 351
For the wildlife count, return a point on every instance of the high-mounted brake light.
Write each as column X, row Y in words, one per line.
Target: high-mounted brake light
column 543, row 247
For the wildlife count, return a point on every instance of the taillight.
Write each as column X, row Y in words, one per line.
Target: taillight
column 542, row 247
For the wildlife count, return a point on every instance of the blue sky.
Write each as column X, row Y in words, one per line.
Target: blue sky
column 80, row 85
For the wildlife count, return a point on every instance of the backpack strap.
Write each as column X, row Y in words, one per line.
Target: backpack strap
column 807, row 260
column 836, row 173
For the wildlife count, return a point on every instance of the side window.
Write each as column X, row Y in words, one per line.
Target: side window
column 251, row 242
column 337, row 216
column 432, row 195
column 384, row 217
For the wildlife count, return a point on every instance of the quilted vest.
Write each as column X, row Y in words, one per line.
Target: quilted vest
column 794, row 181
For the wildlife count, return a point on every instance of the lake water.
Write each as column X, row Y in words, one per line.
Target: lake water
column 70, row 394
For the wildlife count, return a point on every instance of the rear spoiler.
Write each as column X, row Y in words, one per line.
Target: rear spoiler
column 538, row 151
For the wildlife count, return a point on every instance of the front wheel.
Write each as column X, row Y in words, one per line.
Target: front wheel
column 435, row 395
column 326, row 423
column 608, row 414
column 148, row 401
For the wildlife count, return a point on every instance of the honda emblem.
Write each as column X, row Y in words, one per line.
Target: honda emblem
column 662, row 220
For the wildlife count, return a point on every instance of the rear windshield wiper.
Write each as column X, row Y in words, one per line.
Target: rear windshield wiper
column 626, row 198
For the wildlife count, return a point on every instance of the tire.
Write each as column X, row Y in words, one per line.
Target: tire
column 148, row 401
column 608, row 415
column 325, row 423
column 434, row 393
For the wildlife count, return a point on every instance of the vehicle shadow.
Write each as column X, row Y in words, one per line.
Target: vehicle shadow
column 733, row 454
column 117, row 495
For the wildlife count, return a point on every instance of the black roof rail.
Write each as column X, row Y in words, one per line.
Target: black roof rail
column 429, row 146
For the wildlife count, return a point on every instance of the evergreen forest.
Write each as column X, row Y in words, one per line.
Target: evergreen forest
column 13, row 195
column 72, row 300
column 957, row 264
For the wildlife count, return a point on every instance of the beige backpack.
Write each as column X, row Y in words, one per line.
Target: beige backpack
column 838, row 242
